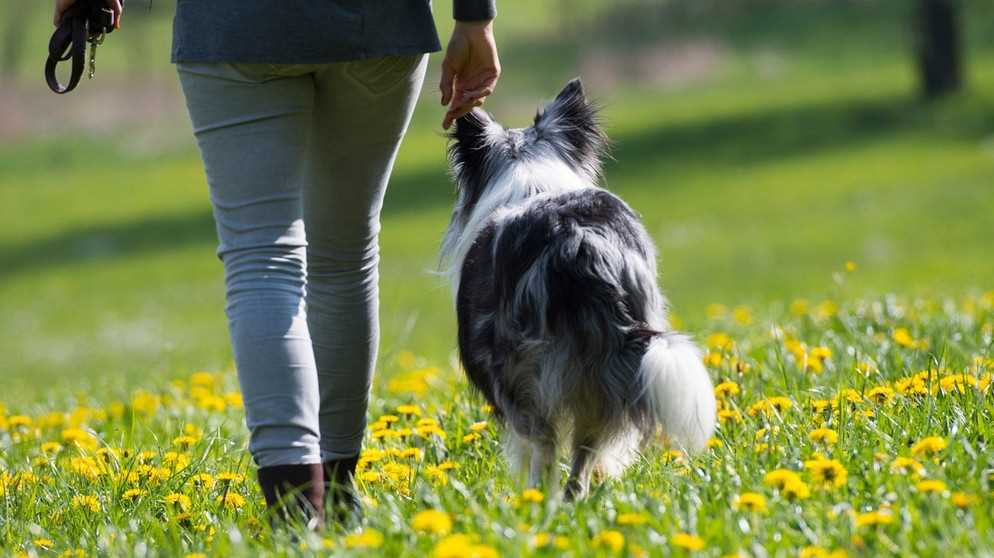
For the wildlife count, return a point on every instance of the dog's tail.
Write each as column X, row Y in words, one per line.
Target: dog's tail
column 679, row 391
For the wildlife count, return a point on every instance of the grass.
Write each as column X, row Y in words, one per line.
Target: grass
column 757, row 188
column 753, row 195
column 858, row 428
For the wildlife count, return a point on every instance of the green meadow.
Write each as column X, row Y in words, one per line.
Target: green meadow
column 764, row 148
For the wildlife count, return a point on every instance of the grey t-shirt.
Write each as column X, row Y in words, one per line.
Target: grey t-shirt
column 309, row 31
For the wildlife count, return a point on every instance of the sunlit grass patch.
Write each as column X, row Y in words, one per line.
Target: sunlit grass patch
column 882, row 448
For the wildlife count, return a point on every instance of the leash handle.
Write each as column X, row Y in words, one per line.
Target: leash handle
column 82, row 19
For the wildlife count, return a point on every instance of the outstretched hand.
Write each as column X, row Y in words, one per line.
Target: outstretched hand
column 113, row 5
column 470, row 70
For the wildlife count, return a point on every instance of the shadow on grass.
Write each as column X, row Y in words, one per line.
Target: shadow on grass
column 733, row 140
column 754, row 138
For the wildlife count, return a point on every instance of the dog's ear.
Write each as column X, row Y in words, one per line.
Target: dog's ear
column 570, row 122
column 469, row 148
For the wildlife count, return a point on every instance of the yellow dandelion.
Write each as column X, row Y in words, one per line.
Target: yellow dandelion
column 462, row 546
column 471, row 437
column 719, row 341
column 86, row 502
column 203, row 379
column 687, row 541
column 880, row 394
column 750, row 501
column 729, row 415
column 397, row 471
column 632, row 518
column 369, row 476
column 184, row 441
column 827, row 473
column 132, row 494
column 430, row 430
column 874, row 518
column 827, row 309
column 202, row 480
column 230, row 477
column 79, row 438
column 713, row 359
column 963, row 500
column 19, row 421
column 411, row 410
column 770, row 405
column 368, row 538
column 824, row 435
column 51, row 447
column 532, row 495
column 780, row 477
column 813, row 551
column 725, row 389
column 795, row 490
column 609, row 538
column 177, row 500
column 231, row 500
column 478, row 426
column 929, row 446
column 233, row 399
column 742, row 315
column 903, row 337
column 930, row 486
column 436, row 522
column 819, row 406
column 436, row 475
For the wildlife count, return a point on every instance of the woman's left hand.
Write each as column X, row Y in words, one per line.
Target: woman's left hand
column 62, row 5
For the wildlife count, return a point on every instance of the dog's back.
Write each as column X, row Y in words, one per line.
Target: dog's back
column 561, row 323
column 555, row 308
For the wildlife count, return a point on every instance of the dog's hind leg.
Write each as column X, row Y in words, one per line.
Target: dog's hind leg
column 542, row 466
column 578, row 482
column 518, row 452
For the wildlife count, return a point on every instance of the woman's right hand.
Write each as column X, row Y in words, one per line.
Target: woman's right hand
column 62, row 5
column 470, row 70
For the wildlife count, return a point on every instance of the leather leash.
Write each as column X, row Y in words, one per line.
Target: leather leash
column 85, row 21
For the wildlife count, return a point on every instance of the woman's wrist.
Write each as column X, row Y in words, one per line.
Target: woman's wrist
column 473, row 27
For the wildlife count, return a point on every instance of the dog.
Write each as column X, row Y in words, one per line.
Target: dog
column 561, row 324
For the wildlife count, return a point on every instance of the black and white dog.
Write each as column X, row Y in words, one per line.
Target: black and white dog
column 562, row 326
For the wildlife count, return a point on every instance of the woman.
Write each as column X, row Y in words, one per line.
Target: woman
column 299, row 108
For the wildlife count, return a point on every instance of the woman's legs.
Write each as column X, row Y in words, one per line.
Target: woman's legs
column 361, row 112
column 253, row 133
column 284, row 146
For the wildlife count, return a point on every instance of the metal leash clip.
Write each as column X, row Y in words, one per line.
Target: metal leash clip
column 94, row 43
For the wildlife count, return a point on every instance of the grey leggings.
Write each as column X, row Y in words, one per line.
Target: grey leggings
column 289, row 148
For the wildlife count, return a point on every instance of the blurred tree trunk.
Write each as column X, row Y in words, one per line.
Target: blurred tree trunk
column 939, row 49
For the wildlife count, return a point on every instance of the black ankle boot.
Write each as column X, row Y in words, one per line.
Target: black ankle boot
column 292, row 490
column 339, row 489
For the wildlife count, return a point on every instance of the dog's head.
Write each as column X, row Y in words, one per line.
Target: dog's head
column 566, row 130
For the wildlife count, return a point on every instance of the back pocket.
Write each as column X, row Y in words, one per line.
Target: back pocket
column 379, row 75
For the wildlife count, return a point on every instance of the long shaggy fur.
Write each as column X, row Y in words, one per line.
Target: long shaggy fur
column 562, row 326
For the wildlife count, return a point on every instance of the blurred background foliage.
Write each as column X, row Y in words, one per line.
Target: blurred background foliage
column 765, row 142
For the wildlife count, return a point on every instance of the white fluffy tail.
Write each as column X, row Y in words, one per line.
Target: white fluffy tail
column 680, row 390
